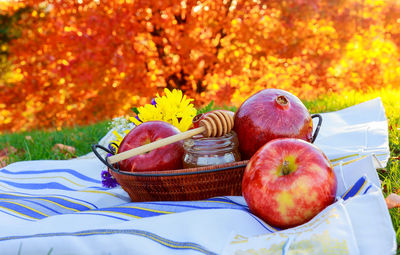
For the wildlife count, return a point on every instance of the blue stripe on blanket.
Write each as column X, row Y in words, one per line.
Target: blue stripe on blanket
column 149, row 209
column 193, row 205
column 22, row 210
column 366, row 190
column 133, row 211
column 223, row 199
column 236, row 203
column 37, row 186
column 59, row 202
column 56, row 178
column 141, row 209
column 355, row 189
column 70, row 171
column 154, row 237
column 104, row 215
column 52, row 185
column 50, row 196
column 211, row 203
column 42, row 205
column 53, row 205
column 19, row 217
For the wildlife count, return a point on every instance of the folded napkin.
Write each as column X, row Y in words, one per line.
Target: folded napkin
column 60, row 207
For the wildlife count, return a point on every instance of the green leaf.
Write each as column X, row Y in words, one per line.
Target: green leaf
column 206, row 108
column 135, row 110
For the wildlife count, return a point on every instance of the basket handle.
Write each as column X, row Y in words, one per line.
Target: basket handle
column 318, row 126
column 104, row 161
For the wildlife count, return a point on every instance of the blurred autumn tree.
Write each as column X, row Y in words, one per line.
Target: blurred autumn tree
column 8, row 32
column 83, row 61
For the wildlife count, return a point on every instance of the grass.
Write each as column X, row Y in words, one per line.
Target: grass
column 36, row 145
column 41, row 144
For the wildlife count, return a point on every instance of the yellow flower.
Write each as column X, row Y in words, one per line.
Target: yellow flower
column 174, row 108
column 115, row 143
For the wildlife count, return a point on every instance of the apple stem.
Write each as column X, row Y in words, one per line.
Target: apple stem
column 285, row 167
column 282, row 100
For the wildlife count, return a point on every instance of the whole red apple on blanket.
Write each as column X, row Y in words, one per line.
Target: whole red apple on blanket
column 288, row 181
column 164, row 158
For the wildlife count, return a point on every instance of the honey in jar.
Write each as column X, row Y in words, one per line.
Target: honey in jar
column 201, row 151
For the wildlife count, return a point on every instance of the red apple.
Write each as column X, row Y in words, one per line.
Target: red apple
column 168, row 157
column 270, row 114
column 288, row 181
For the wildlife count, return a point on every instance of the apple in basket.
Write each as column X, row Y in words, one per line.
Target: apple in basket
column 288, row 181
column 168, row 157
column 270, row 114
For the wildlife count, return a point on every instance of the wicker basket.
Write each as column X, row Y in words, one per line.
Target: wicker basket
column 183, row 184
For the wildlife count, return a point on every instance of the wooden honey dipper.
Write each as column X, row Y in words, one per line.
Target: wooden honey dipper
column 216, row 123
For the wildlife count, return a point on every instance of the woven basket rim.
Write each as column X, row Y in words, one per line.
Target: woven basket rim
column 187, row 171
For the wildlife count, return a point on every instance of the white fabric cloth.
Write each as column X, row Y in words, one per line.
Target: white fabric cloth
column 60, row 207
column 359, row 225
column 355, row 131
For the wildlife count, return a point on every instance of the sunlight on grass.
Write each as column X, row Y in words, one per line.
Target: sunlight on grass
column 337, row 101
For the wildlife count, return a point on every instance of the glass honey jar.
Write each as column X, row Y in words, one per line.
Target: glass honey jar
column 201, row 151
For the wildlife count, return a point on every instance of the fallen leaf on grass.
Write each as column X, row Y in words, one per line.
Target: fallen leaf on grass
column 7, row 151
column 3, row 161
column 393, row 127
column 382, row 170
column 64, row 148
column 393, row 201
column 5, row 155
column 395, row 158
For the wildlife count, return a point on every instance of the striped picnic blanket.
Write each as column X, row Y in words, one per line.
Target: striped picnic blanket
column 60, row 206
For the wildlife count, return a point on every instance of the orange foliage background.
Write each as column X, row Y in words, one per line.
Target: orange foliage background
column 79, row 62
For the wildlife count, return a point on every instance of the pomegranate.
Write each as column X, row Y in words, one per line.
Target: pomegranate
column 271, row 114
